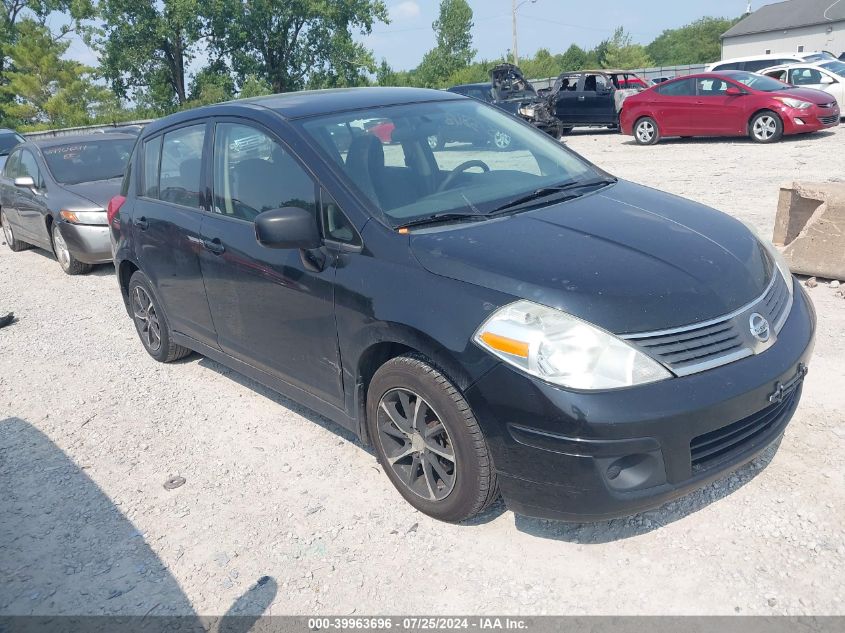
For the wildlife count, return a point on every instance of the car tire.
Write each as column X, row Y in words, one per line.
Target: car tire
column 646, row 131
column 67, row 261
column 765, row 127
column 444, row 470
column 151, row 322
column 14, row 244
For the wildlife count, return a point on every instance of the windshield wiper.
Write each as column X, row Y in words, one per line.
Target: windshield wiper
column 438, row 218
column 544, row 192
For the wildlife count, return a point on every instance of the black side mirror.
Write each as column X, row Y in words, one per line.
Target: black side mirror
column 288, row 227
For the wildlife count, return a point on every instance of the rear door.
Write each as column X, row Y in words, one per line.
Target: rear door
column 166, row 224
column 273, row 309
column 674, row 107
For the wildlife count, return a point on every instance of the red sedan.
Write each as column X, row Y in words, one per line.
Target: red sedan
column 728, row 103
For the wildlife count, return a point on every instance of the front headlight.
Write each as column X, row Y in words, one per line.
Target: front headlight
column 564, row 350
column 794, row 103
column 526, row 111
column 96, row 218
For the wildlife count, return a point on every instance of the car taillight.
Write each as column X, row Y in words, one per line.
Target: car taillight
column 113, row 209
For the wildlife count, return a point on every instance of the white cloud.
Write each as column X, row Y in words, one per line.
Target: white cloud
column 407, row 10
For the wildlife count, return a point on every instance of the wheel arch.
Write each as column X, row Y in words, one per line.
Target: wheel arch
column 760, row 111
column 125, row 269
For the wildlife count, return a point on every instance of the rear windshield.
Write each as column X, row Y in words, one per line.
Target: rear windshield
column 7, row 142
column 89, row 160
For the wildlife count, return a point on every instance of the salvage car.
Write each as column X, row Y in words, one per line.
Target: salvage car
column 54, row 193
column 587, row 98
column 730, row 103
column 535, row 327
column 828, row 76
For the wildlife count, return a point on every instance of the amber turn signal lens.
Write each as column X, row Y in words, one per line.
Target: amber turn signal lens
column 505, row 344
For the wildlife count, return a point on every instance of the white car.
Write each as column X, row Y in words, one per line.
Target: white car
column 756, row 63
column 828, row 76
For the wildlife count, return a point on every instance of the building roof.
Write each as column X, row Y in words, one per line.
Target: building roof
column 788, row 15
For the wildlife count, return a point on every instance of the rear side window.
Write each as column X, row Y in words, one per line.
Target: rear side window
column 254, row 173
column 680, row 88
column 731, row 66
column 181, row 166
column 152, row 158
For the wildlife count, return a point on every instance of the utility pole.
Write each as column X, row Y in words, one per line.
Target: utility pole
column 515, row 7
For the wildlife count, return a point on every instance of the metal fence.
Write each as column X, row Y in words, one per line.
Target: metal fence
column 646, row 73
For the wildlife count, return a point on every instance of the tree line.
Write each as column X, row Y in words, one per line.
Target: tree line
column 146, row 48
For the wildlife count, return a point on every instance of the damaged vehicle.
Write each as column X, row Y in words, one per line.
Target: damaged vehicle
column 586, row 98
column 532, row 327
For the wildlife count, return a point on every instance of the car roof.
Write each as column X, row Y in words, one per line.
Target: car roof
column 53, row 141
column 794, row 64
column 5, row 130
column 751, row 58
column 308, row 103
column 480, row 84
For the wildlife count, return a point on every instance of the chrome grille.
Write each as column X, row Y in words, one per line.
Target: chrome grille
column 694, row 348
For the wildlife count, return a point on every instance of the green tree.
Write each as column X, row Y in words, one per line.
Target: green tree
column 453, row 51
column 695, row 43
column 294, row 43
column 622, row 53
column 575, row 58
column 254, row 87
column 43, row 88
column 212, row 84
column 145, row 46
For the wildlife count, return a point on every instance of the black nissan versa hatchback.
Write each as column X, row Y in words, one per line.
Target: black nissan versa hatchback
column 517, row 322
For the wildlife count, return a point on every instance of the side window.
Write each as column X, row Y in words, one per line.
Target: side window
column 28, row 167
column 730, row 66
column 681, row 88
column 152, row 158
column 10, row 170
column 336, row 226
column 254, row 173
column 805, row 77
column 711, row 87
column 181, row 166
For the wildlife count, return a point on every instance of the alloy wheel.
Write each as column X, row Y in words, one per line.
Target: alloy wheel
column 60, row 248
column 416, row 444
column 146, row 318
column 765, row 127
column 501, row 140
column 7, row 229
column 645, row 131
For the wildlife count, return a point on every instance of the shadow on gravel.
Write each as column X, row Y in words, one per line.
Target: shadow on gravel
column 645, row 522
column 99, row 270
column 66, row 549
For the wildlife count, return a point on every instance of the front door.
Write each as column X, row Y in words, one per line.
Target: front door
column 717, row 112
column 166, row 225
column 273, row 309
column 595, row 100
column 30, row 203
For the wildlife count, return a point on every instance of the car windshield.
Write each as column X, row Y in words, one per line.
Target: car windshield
column 8, row 142
column 87, row 161
column 458, row 156
column 758, row 82
column 836, row 67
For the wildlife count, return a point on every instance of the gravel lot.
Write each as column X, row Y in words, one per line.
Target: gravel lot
column 285, row 513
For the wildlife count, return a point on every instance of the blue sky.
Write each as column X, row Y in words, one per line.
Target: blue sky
column 552, row 24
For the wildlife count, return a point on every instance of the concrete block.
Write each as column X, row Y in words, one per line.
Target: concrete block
column 810, row 225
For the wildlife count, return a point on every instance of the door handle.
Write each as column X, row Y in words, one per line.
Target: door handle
column 581, row 98
column 141, row 223
column 215, row 246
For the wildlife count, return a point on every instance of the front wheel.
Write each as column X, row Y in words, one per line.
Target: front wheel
column 428, row 440
column 766, row 127
column 646, row 131
column 67, row 261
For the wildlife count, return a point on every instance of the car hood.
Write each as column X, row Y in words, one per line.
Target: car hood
column 99, row 191
column 626, row 258
column 812, row 95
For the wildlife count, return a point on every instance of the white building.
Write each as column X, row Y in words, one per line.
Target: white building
column 793, row 26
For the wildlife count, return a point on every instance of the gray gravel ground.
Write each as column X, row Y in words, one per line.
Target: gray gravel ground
column 91, row 427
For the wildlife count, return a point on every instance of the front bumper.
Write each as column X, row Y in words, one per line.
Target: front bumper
column 809, row 120
column 89, row 244
column 591, row 456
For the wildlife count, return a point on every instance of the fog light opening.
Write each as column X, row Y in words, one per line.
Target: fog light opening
column 799, row 121
column 634, row 472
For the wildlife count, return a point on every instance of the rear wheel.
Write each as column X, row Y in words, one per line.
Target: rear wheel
column 14, row 244
column 766, row 127
column 150, row 321
column 67, row 261
column 563, row 131
column 428, row 441
column 646, row 131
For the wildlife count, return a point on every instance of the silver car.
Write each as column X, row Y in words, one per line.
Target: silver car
column 54, row 194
